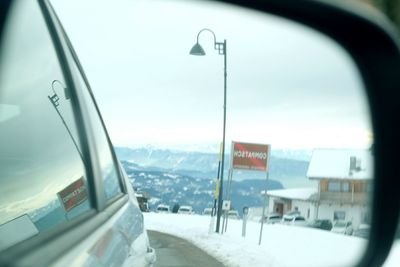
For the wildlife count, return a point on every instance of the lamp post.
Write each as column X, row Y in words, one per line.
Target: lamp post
column 54, row 99
column 197, row 50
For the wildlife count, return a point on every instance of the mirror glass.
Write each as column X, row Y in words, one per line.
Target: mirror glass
column 287, row 86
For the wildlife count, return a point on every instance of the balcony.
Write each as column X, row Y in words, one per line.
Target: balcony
column 344, row 197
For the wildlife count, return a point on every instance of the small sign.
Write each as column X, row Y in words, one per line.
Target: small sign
column 252, row 157
column 226, row 205
column 245, row 210
column 73, row 195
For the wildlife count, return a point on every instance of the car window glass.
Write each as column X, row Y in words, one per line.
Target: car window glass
column 111, row 183
column 42, row 173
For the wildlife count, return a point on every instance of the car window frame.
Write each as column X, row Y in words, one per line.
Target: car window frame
column 47, row 247
column 64, row 47
column 70, row 58
column 120, row 175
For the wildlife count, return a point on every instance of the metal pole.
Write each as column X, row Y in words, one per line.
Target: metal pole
column 66, row 127
column 263, row 212
column 217, row 185
column 245, row 212
column 228, row 196
column 223, row 146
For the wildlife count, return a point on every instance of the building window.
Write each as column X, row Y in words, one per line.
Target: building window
column 345, row 187
column 339, row 215
column 334, row 186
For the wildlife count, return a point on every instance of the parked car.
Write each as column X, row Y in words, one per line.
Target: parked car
column 363, row 231
column 343, row 227
column 233, row 214
column 66, row 200
column 162, row 208
column 207, row 211
column 272, row 218
column 294, row 219
column 185, row 210
column 321, row 224
column 142, row 200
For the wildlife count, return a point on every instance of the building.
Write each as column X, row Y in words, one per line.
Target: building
column 343, row 186
column 295, row 199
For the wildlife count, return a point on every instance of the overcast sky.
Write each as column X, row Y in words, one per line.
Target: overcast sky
column 287, row 85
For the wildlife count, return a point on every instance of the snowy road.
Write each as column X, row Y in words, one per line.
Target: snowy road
column 282, row 246
column 176, row 252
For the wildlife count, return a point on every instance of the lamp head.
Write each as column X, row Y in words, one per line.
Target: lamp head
column 197, row 50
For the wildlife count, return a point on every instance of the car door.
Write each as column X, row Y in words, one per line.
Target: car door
column 65, row 201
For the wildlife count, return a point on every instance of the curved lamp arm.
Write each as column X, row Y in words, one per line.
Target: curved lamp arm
column 199, row 51
column 206, row 29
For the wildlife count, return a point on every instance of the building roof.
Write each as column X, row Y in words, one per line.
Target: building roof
column 293, row 193
column 341, row 164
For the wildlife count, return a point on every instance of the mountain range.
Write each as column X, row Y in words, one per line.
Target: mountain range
column 290, row 172
column 188, row 178
column 171, row 187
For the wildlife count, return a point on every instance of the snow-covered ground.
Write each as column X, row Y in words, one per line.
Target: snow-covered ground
column 281, row 245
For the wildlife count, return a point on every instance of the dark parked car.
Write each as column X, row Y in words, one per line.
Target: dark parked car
column 321, row 224
column 362, row 231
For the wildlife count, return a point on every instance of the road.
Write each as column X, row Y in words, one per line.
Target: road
column 173, row 251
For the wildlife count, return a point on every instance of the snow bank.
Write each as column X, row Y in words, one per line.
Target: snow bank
column 282, row 246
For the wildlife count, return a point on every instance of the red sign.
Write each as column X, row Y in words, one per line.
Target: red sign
column 73, row 195
column 250, row 156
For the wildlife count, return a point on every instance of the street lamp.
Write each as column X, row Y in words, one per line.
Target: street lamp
column 197, row 50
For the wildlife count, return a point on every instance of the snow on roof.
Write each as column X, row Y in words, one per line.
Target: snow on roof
column 293, row 193
column 341, row 164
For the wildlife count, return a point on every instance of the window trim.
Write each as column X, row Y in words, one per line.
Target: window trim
column 58, row 240
column 53, row 28
column 65, row 48
column 121, row 180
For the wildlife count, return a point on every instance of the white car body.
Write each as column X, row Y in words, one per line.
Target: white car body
column 272, row 218
column 294, row 219
column 233, row 214
column 185, row 210
column 207, row 211
column 162, row 208
column 86, row 212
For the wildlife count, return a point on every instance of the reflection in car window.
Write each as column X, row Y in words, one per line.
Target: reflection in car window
column 108, row 168
column 42, row 175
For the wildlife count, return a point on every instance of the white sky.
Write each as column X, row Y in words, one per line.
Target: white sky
column 287, row 85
